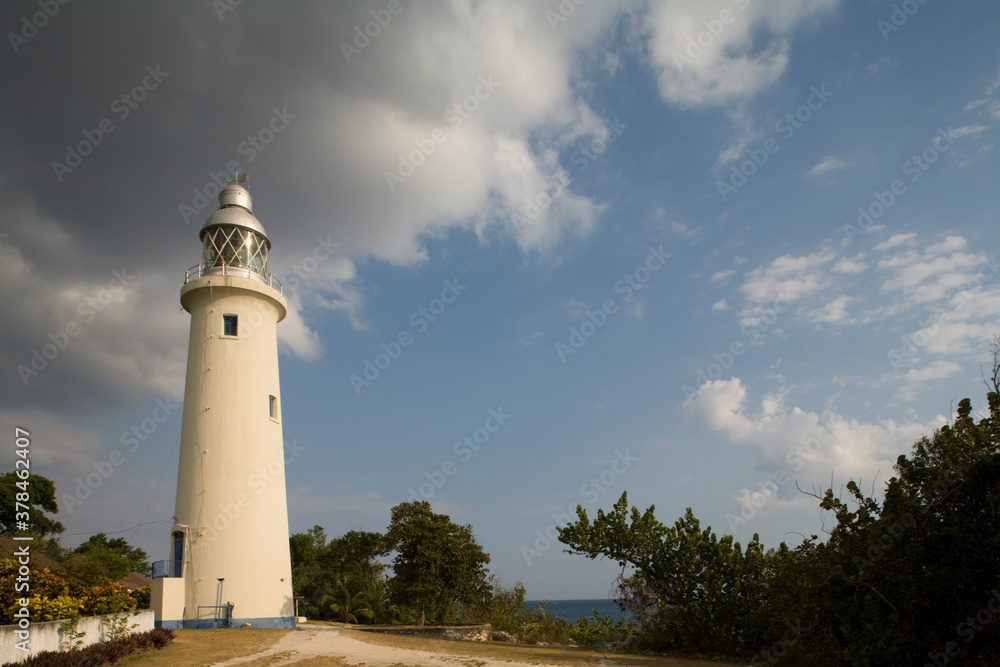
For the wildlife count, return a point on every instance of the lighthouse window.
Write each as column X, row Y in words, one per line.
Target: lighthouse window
column 229, row 325
column 272, row 406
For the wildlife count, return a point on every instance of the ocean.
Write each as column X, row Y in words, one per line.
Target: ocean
column 571, row 610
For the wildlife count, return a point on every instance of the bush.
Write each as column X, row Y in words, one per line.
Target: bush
column 599, row 629
column 105, row 653
column 539, row 626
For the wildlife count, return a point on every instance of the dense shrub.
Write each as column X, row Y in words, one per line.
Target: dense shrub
column 912, row 577
column 105, row 653
column 599, row 629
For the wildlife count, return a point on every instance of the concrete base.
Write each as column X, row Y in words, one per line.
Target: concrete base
column 204, row 623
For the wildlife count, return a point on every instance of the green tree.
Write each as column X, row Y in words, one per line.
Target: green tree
column 437, row 562
column 357, row 554
column 710, row 593
column 897, row 580
column 348, row 602
column 41, row 494
column 100, row 559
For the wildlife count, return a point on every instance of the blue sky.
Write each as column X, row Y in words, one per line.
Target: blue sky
column 603, row 187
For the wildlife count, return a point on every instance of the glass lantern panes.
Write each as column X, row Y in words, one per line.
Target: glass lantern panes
column 229, row 246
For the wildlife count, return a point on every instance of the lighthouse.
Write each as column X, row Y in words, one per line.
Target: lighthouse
column 229, row 560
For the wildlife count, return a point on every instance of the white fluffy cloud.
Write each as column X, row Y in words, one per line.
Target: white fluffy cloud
column 717, row 52
column 806, row 445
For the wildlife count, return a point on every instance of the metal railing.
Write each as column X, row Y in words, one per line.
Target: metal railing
column 166, row 568
column 223, row 614
column 200, row 270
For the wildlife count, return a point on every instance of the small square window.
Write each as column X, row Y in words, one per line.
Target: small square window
column 272, row 406
column 229, row 327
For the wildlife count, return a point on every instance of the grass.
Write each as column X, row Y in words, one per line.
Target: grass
column 548, row 655
column 206, row 647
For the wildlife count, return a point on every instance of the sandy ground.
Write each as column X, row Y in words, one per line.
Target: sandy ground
column 325, row 642
column 315, row 645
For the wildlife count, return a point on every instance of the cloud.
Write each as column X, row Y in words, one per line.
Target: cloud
column 849, row 266
column 575, row 308
column 635, row 308
column 721, row 277
column 808, row 446
column 826, row 165
column 794, row 276
column 966, row 131
column 914, row 378
column 490, row 79
column 703, row 61
column 833, row 312
column 896, row 240
column 721, row 304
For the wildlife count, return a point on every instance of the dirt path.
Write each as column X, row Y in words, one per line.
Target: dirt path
column 324, row 642
column 321, row 646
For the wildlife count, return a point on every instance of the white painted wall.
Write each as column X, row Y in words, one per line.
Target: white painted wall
column 48, row 637
column 231, row 501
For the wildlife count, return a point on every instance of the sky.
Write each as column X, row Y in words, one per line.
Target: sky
column 717, row 254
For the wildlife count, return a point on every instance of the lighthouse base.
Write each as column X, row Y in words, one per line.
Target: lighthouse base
column 204, row 623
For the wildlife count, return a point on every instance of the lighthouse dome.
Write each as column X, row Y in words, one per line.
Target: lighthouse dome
column 235, row 209
column 234, row 242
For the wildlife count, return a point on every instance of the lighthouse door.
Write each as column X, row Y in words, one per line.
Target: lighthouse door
column 178, row 554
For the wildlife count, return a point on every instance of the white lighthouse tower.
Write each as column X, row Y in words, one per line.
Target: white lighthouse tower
column 229, row 560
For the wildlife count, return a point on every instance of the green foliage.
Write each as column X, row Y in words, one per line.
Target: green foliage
column 42, row 498
column 117, row 626
column 504, row 607
column 72, row 638
column 100, row 559
column 597, row 629
column 348, row 603
column 317, row 566
column 106, row 598
column 899, row 580
column 710, row 592
column 540, row 626
column 56, row 596
column 141, row 596
column 437, row 562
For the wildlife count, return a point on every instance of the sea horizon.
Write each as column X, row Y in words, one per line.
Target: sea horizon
column 570, row 610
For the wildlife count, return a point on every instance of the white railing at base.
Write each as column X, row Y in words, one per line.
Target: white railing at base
column 202, row 270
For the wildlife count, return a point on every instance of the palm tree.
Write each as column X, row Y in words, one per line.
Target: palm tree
column 348, row 603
